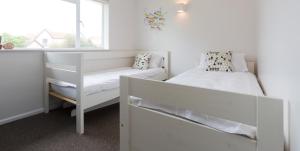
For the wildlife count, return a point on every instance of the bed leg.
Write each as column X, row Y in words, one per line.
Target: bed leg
column 270, row 131
column 46, row 97
column 79, row 120
column 73, row 113
column 124, row 115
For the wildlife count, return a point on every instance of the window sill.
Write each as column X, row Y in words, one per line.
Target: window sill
column 54, row 50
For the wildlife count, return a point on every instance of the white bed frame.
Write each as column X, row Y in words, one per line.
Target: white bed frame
column 72, row 66
column 147, row 130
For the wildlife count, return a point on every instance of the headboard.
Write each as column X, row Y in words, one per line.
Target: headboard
column 69, row 66
column 95, row 61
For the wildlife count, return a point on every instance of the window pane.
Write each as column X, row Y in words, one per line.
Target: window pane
column 91, row 25
column 38, row 23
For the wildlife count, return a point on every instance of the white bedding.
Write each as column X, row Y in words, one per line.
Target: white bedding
column 98, row 82
column 240, row 82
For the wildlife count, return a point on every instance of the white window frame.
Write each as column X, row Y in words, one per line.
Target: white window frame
column 105, row 38
column 105, row 31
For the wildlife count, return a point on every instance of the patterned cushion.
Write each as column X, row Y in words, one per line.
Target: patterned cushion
column 142, row 61
column 219, row 61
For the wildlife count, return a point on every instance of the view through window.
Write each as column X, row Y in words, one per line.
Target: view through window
column 52, row 23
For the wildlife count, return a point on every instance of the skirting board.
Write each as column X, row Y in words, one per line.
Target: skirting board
column 21, row 116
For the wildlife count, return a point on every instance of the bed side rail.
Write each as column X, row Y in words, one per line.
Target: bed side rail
column 262, row 112
column 62, row 66
column 231, row 106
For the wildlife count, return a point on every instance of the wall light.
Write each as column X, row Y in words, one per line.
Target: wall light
column 181, row 7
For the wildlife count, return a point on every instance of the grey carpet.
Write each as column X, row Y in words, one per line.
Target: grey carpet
column 56, row 132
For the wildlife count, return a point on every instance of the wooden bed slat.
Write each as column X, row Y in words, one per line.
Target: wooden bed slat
column 62, row 97
column 231, row 106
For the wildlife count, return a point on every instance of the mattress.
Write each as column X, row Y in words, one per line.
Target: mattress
column 106, row 80
column 239, row 82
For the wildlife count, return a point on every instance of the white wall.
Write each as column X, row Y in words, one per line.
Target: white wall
column 207, row 24
column 21, row 84
column 278, row 53
column 122, row 24
column 21, row 76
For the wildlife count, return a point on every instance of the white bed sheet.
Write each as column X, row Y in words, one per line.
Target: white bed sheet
column 106, row 80
column 239, row 82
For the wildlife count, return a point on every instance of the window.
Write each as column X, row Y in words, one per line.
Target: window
column 54, row 23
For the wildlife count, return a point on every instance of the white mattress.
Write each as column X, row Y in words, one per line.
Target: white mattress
column 106, row 80
column 240, row 82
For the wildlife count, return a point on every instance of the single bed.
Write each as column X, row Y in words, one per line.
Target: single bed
column 106, row 80
column 90, row 79
column 200, row 110
column 238, row 82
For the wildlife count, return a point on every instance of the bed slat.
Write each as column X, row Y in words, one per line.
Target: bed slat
column 231, row 106
column 104, row 64
column 109, row 55
column 62, row 97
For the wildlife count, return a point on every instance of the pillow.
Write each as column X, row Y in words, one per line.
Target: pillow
column 238, row 62
column 142, row 61
column 156, row 61
column 203, row 61
column 219, row 61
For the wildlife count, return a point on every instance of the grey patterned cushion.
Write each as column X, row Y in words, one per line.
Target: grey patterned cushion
column 142, row 61
column 219, row 61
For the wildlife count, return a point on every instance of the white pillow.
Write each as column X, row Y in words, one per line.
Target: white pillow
column 203, row 62
column 238, row 61
column 156, row 61
column 142, row 61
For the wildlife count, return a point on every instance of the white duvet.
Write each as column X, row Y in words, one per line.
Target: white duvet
column 240, row 82
column 98, row 82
